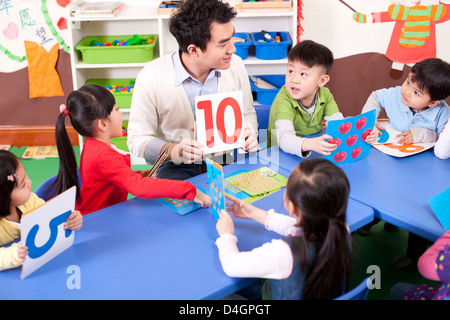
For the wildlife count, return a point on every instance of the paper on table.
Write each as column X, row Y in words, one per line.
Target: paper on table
column 441, row 208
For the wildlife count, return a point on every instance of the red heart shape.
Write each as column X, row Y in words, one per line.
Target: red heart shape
column 63, row 3
column 345, row 127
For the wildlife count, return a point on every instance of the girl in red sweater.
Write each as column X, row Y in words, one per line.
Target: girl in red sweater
column 106, row 174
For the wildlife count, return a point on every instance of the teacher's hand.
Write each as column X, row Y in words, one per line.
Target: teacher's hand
column 251, row 141
column 186, row 151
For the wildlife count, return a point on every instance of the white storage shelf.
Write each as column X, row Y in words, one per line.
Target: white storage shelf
column 138, row 18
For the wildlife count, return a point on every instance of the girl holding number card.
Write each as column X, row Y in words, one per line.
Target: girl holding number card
column 16, row 200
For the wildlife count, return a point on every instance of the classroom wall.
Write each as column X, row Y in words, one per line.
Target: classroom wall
column 360, row 62
column 360, row 49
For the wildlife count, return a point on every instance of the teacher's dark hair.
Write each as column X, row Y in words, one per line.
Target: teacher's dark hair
column 191, row 24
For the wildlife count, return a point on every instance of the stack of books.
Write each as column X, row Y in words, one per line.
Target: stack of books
column 96, row 9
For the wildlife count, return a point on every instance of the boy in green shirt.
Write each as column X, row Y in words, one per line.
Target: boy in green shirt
column 303, row 102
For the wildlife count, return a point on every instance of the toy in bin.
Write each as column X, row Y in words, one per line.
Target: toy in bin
column 242, row 42
column 271, row 45
column 117, row 49
column 266, row 87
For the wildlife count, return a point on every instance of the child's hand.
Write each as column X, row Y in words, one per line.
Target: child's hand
column 373, row 136
column 407, row 137
column 224, row 224
column 239, row 208
column 319, row 145
column 144, row 173
column 202, row 199
column 22, row 252
column 74, row 221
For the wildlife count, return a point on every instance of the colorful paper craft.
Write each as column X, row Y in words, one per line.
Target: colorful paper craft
column 441, row 208
column 390, row 146
column 259, row 181
column 216, row 187
column 349, row 134
column 180, row 206
column 43, row 232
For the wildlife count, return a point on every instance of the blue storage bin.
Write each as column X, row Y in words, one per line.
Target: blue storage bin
column 266, row 96
column 242, row 47
column 271, row 50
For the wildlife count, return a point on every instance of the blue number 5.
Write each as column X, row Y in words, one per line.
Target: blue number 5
column 35, row 252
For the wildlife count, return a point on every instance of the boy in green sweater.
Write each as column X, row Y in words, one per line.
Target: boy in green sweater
column 303, row 102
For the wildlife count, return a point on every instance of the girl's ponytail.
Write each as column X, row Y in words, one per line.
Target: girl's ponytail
column 68, row 170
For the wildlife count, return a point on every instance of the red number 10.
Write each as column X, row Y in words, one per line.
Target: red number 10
column 206, row 105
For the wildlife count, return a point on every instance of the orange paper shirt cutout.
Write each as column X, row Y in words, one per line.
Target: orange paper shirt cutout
column 43, row 79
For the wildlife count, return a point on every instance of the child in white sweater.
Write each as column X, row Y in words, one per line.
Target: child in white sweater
column 442, row 147
column 313, row 261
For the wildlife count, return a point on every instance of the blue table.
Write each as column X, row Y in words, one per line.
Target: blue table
column 398, row 189
column 140, row 249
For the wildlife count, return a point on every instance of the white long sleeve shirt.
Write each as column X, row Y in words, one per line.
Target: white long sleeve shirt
column 273, row 260
column 442, row 146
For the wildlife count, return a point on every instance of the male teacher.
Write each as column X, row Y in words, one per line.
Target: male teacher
column 162, row 109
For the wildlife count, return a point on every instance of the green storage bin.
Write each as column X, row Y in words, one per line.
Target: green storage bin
column 116, row 54
column 123, row 99
column 121, row 142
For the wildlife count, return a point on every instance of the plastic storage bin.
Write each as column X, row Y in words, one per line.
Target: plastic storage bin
column 271, row 50
column 266, row 96
column 242, row 47
column 116, row 54
column 123, row 98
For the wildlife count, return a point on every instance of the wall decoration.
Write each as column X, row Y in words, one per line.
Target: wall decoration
column 414, row 35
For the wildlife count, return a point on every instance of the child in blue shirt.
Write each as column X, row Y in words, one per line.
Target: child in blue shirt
column 417, row 107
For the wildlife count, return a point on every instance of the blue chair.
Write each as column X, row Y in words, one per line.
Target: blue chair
column 45, row 193
column 262, row 113
column 358, row 293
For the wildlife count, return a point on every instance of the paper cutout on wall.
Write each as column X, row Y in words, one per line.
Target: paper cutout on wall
column 414, row 35
column 43, row 232
column 43, row 79
column 29, row 21
column 349, row 134
column 439, row 204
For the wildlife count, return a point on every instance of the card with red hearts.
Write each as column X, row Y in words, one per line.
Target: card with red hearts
column 350, row 134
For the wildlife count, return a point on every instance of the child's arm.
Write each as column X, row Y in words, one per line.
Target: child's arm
column 373, row 103
column 280, row 223
column 12, row 256
column 271, row 261
column 319, row 145
column 422, row 135
column 426, row 263
column 202, row 199
column 288, row 141
column 442, row 147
